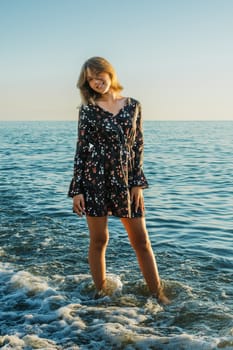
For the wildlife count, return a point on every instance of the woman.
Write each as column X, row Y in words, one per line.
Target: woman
column 108, row 176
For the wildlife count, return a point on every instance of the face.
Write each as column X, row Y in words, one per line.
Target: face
column 100, row 82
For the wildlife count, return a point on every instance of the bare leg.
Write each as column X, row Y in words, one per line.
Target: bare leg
column 98, row 230
column 139, row 239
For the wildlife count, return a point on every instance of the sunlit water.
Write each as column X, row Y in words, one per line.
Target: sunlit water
column 46, row 289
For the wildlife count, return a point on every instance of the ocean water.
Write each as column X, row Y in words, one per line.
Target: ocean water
column 45, row 286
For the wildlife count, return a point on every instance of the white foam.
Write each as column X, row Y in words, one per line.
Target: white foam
column 113, row 285
column 11, row 342
column 2, row 251
column 6, row 268
column 69, row 314
column 29, row 282
column 35, row 342
column 120, row 336
column 54, row 318
column 46, row 242
column 52, row 302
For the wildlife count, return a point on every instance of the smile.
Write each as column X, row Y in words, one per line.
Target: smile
column 100, row 86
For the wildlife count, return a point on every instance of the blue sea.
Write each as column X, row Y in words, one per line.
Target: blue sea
column 46, row 291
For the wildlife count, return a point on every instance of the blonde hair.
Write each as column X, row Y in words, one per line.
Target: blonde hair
column 96, row 65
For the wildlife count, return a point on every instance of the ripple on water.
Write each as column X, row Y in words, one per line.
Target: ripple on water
column 45, row 286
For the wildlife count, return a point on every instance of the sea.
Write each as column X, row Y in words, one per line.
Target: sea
column 46, row 290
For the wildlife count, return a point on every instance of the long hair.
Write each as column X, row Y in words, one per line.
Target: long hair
column 96, row 65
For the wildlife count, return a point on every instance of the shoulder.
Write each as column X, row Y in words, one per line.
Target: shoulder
column 133, row 101
column 135, row 106
column 87, row 114
column 85, row 111
column 85, row 108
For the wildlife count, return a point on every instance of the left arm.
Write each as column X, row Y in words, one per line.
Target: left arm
column 139, row 180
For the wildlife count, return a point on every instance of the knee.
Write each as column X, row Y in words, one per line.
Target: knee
column 99, row 242
column 142, row 245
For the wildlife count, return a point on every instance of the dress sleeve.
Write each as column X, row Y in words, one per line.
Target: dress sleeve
column 139, row 178
column 76, row 186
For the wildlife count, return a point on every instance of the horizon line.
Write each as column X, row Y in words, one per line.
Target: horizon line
column 144, row 119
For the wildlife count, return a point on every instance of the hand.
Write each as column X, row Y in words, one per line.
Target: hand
column 136, row 196
column 79, row 204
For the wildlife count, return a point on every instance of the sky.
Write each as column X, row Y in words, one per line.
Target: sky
column 174, row 56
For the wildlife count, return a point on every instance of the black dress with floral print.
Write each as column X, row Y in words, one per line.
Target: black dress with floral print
column 108, row 159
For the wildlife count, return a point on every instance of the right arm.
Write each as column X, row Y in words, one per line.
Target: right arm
column 76, row 186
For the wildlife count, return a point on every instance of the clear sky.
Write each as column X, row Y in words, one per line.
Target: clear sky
column 175, row 56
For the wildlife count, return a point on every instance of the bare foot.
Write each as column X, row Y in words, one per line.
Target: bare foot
column 99, row 294
column 161, row 297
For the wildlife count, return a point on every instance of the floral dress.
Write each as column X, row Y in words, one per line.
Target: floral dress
column 108, row 159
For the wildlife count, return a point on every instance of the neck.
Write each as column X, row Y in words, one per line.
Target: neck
column 109, row 97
